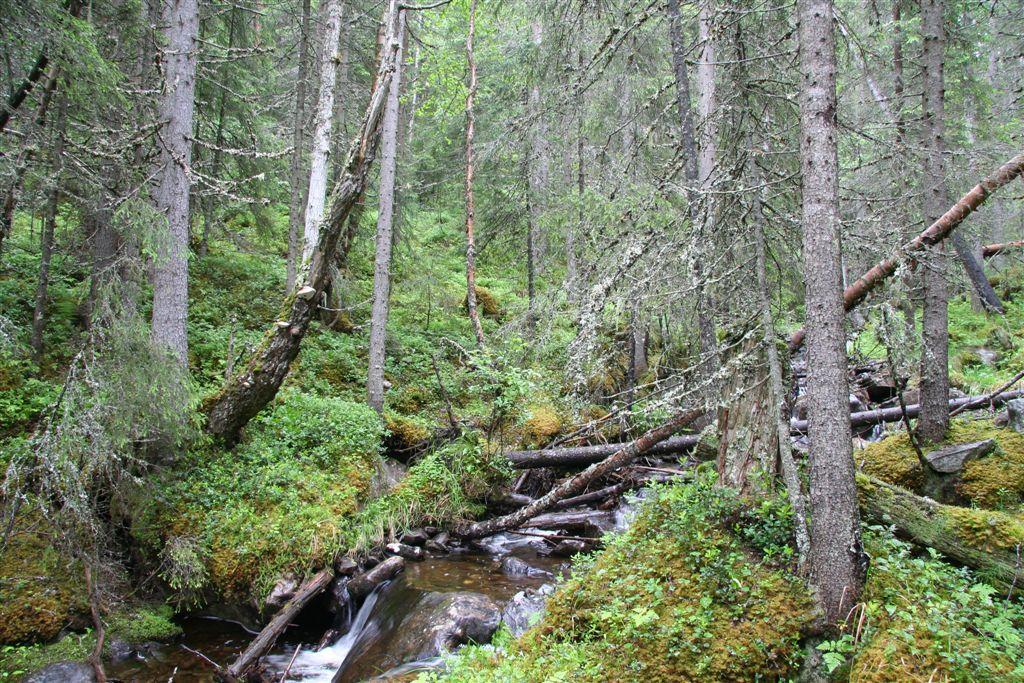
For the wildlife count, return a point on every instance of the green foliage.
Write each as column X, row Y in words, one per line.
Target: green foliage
column 143, row 623
column 677, row 597
column 22, row 396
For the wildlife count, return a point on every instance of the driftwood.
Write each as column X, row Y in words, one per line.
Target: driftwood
column 881, row 415
column 579, row 483
column 935, row 233
column 926, row 523
column 990, row 250
column 270, row 633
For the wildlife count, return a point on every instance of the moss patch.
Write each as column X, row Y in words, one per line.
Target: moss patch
column 995, row 481
column 542, row 425
column 686, row 594
column 485, row 301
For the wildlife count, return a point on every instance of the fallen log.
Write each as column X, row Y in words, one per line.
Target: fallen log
column 270, row 633
column 598, row 495
column 576, row 455
column 585, row 520
column 579, row 483
column 935, row 233
column 990, row 250
column 361, row 585
column 984, row 540
column 880, row 415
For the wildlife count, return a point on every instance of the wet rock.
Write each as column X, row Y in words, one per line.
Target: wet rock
column 118, row 650
column 951, row 459
column 568, row 548
column 439, row 543
column 987, row 356
column 341, row 599
column 505, row 542
column 1015, row 415
column 432, row 530
column 361, row 585
column 345, row 566
column 444, row 621
column 414, row 537
column 513, row 566
column 282, row 592
column 409, row 552
column 518, row 614
column 63, row 672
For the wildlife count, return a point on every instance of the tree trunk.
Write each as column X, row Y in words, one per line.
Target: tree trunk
column 49, row 228
column 385, row 222
column 538, row 181
column 297, row 206
column 23, row 90
column 248, row 391
column 177, row 106
column 935, row 233
column 323, row 117
column 577, row 484
column 835, row 558
column 966, row 536
column 934, row 418
column 991, row 250
column 209, row 201
column 474, row 315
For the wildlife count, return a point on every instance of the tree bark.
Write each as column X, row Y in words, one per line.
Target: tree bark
column 323, row 117
column 474, row 315
column 385, row 222
column 268, row 636
column 934, row 418
column 935, row 233
column 177, row 107
column 990, row 250
column 538, row 175
column 49, row 228
column 248, row 391
column 577, row 484
column 18, row 96
column 297, row 206
column 835, row 559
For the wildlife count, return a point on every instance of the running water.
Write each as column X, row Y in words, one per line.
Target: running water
column 312, row 666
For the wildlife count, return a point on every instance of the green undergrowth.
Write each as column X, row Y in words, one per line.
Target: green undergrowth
column 699, row 588
column 131, row 624
column 995, row 481
column 924, row 620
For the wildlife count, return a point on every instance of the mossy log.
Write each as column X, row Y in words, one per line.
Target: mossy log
column 585, row 455
column 987, row 541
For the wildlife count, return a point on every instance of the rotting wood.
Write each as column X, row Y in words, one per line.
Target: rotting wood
column 270, row 633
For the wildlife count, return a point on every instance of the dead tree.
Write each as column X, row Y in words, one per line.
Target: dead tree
column 935, row 233
column 245, row 394
column 474, row 314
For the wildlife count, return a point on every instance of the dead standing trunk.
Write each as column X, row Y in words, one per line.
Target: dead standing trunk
column 474, row 314
column 538, row 174
column 177, row 107
column 297, row 207
column 934, row 418
column 835, row 558
column 385, row 223
column 248, row 391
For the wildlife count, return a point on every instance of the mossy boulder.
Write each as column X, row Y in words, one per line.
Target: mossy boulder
column 541, row 425
column 486, row 302
column 994, row 481
column 404, row 433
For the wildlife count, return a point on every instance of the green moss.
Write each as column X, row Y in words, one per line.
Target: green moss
column 987, row 529
column 486, row 302
column 924, row 620
column 681, row 596
column 541, row 425
column 405, row 432
column 143, row 623
column 997, row 480
column 16, row 661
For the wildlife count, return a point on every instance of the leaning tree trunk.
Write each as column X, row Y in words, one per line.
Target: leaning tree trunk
column 177, row 108
column 245, row 393
column 474, row 314
column 934, row 419
column 834, row 560
column 935, row 233
column 385, row 223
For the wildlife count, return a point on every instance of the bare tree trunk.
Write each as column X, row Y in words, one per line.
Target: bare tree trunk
column 323, row 117
column 934, row 418
column 474, row 315
column 385, row 223
column 835, row 558
column 538, row 181
column 297, row 207
column 246, row 392
column 177, row 106
column 933, row 234
column 49, row 227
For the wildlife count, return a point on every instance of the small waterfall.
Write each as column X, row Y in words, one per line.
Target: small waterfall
column 319, row 667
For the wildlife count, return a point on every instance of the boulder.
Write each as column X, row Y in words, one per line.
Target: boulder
column 951, row 459
column 409, row 552
column 439, row 543
column 1015, row 415
column 282, row 592
column 513, row 566
column 568, row 548
column 444, row 621
column 63, row 672
column 415, row 537
column 345, row 566
column 518, row 613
